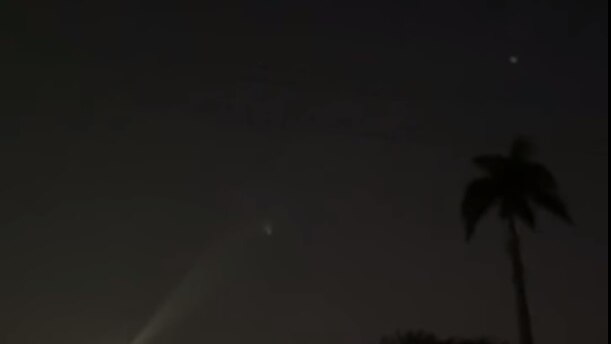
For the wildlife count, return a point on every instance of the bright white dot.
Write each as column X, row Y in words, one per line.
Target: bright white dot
column 514, row 59
column 268, row 229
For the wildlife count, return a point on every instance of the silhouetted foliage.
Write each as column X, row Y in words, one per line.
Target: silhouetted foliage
column 429, row 338
column 515, row 185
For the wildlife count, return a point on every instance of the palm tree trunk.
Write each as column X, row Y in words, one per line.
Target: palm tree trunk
column 519, row 280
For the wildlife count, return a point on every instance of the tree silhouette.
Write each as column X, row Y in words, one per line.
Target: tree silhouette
column 514, row 184
column 429, row 338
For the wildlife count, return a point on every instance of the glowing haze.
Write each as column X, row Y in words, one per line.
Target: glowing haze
column 223, row 287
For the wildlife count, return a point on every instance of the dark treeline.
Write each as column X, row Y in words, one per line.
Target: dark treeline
column 429, row 338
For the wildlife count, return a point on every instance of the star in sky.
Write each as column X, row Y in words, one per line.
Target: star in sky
column 268, row 229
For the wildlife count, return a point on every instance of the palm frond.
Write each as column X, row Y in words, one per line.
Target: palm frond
column 541, row 177
column 553, row 203
column 480, row 196
column 517, row 184
column 523, row 211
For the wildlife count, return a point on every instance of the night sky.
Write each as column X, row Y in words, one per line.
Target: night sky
column 276, row 173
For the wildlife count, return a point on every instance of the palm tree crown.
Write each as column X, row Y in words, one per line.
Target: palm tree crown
column 515, row 184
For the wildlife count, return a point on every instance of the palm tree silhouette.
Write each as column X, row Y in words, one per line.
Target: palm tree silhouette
column 514, row 184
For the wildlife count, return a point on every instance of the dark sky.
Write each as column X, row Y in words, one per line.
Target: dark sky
column 144, row 143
